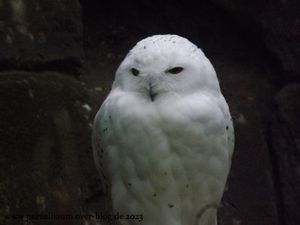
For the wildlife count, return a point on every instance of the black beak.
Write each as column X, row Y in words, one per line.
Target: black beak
column 151, row 93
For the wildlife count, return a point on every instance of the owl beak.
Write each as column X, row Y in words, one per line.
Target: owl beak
column 152, row 94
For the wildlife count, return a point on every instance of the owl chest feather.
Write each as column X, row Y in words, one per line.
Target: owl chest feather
column 163, row 159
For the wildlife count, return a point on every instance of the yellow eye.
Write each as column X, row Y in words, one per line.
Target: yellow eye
column 175, row 70
column 134, row 71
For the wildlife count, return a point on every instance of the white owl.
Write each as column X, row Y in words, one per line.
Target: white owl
column 163, row 138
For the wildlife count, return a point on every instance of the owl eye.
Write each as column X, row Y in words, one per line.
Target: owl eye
column 175, row 70
column 134, row 71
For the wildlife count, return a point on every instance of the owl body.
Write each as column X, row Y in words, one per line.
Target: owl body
column 164, row 151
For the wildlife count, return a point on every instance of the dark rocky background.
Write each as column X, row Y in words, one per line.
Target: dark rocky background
column 57, row 63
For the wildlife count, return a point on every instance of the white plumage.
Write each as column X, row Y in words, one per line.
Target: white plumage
column 163, row 138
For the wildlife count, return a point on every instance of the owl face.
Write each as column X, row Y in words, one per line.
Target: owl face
column 164, row 65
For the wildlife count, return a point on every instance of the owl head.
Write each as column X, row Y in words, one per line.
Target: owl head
column 163, row 65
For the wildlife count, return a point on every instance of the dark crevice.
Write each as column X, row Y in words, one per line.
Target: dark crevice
column 69, row 66
column 275, row 167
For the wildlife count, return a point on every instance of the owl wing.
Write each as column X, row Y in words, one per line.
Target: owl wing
column 229, row 126
column 99, row 135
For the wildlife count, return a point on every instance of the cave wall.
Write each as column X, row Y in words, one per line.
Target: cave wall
column 279, row 22
column 41, row 35
column 280, row 28
column 45, row 164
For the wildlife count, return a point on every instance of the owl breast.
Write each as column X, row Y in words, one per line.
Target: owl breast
column 172, row 162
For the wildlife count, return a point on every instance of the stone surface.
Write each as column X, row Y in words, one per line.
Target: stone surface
column 41, row 35
column 46, row 158
column 285, row 140
column 279, row 22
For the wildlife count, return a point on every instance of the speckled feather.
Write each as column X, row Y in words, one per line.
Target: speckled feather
column 166, row 157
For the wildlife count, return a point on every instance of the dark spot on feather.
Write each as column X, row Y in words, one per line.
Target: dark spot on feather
column 105, row 129
column 170, row 205
column 165, row 173
column 101, row 149
column 154, row 195
column 145, row 47
column 227, row 127
column 129, row 184
column 187, row 185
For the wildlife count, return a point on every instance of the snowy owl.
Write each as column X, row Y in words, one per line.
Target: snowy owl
column 163, row 138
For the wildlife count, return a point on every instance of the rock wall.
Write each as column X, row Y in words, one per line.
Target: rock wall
column 46, row 160
column 44, row 146
column 285, row 146
column 29, row 41
column 279, row 22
